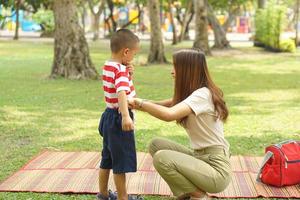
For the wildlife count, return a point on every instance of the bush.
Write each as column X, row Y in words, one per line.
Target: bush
column 46, row 19
column 269, row 24
column 259, row 27
column 287, row 45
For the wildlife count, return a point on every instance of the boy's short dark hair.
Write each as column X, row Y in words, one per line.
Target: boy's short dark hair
column 122, row 38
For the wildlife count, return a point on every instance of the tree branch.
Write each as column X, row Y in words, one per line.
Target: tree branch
column 90, row 2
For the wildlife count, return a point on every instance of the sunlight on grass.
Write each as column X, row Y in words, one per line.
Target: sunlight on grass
column 272, row 95
column 14, row 115
column 74, row 128
column 76, row 135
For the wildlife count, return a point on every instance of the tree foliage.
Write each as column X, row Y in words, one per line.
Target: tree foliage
column 226, row 5
column 46, row 19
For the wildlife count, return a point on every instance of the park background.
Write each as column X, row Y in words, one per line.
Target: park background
column 53, row 100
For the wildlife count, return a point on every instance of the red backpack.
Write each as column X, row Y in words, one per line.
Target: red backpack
column 281, row 164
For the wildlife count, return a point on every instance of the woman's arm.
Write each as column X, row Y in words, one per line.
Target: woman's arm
column 175, row 112
column 166, row 102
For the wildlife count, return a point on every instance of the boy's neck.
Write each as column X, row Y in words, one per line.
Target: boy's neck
column 116, row 58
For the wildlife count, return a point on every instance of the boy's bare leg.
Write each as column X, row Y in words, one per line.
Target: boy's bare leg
column 103, row 181
column 120, row 182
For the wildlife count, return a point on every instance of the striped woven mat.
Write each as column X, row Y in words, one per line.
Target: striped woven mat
column 77, row 172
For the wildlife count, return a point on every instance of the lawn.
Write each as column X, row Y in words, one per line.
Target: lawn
column 262, row 91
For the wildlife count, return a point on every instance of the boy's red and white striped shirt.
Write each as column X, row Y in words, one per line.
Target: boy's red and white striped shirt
column 116, row 78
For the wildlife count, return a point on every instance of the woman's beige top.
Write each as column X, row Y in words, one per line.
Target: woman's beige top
column 203, row 126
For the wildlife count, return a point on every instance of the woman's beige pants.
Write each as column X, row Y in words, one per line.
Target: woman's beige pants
column 187, row 171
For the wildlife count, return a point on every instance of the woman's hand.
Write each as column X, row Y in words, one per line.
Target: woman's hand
column 134, row 103
column 175, row 112
column 130, row 103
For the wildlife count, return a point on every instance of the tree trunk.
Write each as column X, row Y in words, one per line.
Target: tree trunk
column 83, row 17
column 111, row 15
column 96, row 27
column 156, row 54
column 187, row 30
column 172, row 22
column 141, row 17
column 71, row 53
column 261, row 4
column 201, row 37
column 231, row 16
column 96, row 17
column 220, row 41
column 185, row 22
column 18, row 2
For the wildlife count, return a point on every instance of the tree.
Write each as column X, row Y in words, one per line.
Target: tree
column 111, row 16
column 261, row 4
column 81, row 4
column 187, row 18
column 96, row 15
column 34, row 5
column 71, row 52
column 220, row 41
column 232, row 13
column 156, row 53
column 17, row 8
column 231, row 7
column 45, row 19
column 170, row 7
column 201, row 38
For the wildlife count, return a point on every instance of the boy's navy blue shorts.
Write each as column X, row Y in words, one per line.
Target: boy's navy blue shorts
column 118, row 153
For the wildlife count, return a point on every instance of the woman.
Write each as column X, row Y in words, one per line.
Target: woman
column 199, row 107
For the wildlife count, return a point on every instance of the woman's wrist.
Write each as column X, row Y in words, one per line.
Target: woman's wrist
column 140, row 102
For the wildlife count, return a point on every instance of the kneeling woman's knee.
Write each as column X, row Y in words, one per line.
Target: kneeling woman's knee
column 154, row 146
column 161, row 160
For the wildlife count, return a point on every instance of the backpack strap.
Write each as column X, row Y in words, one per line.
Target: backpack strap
column 279, row 145
column 267, row 157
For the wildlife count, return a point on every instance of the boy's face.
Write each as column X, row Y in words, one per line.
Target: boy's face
column 129, row 53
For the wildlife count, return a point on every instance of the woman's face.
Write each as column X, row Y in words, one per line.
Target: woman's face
column 173, row 72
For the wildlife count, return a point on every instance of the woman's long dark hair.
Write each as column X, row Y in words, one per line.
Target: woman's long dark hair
column 191, row 73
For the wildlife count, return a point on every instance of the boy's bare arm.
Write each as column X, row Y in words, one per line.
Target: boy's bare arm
column 127, row 123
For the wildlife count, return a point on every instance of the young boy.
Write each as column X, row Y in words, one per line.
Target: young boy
column 116, row 124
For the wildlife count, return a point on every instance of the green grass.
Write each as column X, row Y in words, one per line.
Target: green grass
column 262, row 91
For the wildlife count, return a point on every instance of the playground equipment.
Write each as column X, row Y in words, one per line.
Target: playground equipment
column 9, row 23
